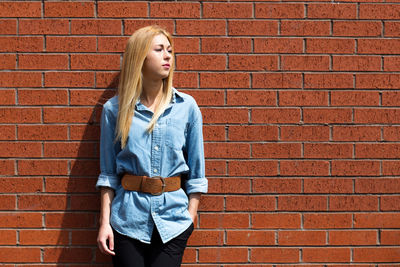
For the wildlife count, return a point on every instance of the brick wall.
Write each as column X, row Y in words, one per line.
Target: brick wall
column 301, row 122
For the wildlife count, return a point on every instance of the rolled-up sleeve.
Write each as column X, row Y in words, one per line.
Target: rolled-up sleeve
column 196, row 182
column 108, row 150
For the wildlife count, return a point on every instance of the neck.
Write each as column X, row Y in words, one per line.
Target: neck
column 151, row 93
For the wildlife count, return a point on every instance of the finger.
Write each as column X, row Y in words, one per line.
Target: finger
column 111, row 241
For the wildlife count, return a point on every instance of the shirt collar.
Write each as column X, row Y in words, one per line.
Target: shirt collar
column 176, row 95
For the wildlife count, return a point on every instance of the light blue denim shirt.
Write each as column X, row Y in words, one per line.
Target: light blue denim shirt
column 174, row 147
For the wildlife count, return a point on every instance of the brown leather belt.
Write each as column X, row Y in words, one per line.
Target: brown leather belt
column 152, row 185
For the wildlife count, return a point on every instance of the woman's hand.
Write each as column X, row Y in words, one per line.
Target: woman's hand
column 194, row 200
column 106, row 234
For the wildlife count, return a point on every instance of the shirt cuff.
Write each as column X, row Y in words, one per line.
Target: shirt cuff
column 108, row 180
column 196, row 185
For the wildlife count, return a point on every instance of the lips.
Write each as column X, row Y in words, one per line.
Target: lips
column 166, row 65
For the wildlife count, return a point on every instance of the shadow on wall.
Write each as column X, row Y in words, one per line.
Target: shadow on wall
column 79, row 222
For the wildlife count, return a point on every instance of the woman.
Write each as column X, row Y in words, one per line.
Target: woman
column 151, row 144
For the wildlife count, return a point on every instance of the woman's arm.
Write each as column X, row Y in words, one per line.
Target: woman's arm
column 194, row 200
column 105, row 231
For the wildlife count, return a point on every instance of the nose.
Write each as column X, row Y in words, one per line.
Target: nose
column 167, row 54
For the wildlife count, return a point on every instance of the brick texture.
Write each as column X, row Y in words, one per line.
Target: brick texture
column 300, row 104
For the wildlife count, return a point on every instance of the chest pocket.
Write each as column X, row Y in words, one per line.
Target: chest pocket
column 175, row 134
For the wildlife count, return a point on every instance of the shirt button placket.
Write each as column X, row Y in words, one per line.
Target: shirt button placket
column 156, row 151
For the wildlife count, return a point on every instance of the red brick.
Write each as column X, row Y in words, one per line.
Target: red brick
column 95, row 62
column 277, row 80
column 205, row 97
column 253, row 133
column 7, row 132
column 276, row 220
column 84, row 238
column 174, row 10
column 85, row 168
column 122, row 9
column 305, row 28
column 326, row 254
column 355, row 168
column 377, row 185
column 328, row 81
column 377, row 151
column 327, row 220
column 74, row 115
column 253, row 168
column 67, row 254
column 250, row 203
column 20, row 254
column 83, row 132
column 276, row 150
column 8, row 26
column 379, row 46
column 391, row 63
column 111, row 44
column 308, row 168
column 391, row 167
column 224, row 80
column 70, row 150
column 378, row 81
column 8, row 202
column 21, row 185
column 131, row 25
column 7, row 97
column 90, row 97
column 224, row 220
column 248, row 63
column 278, row 45
column 200, row 27
column 304, row 133
column 223, row 255
column 214, row 133
column 226, row 115
column 69, row 79
column 34, row 62
column 276, row 255
column 231, row 185
column 107, row 80
column 226, row 150
column 42, row 132
column 20, row 115
column 20, row 149
column 200, row 62
column 302, row 238
column 332, row 11
column 302, row 203
column 44, row 26
column 70, row 44
column 21, row 44
column 280, row 11
column 392, row 29
column 250, row 238
column 379, row 11
column 69, row 9
column 20, row 9
column 206, row 238
column 327, row 115
column 43, row 97
column 252, row 27
column 186, row 80
column 189, row 255
column 226, row 45
column 7, row 167
column 186, row 45
column 20, row 79
column 357, row 98
column 8, row 237
column 69, row 220
column 390, row 203
column 273, row 185
column 85, row 202
column 356, row 63
column 44, row 237
column 376, row 220
column 96, row 27
column 390, row 237
column 317, row 63
column 353, row 203
column 328, row 151
column 376, row 115
column 21, row 219
column 42, row 167
column 70, row 185
column 275, row 115
column 357, row 28
column 303, row 98
column 227, row 10
column 215, row 167
column 332, row 46
column 356, row 133
column 353, row 238
column 211, row 203
column 8, row 62
column 376, row 254
column 328, row 186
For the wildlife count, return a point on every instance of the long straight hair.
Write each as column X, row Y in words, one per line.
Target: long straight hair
column 131, row 80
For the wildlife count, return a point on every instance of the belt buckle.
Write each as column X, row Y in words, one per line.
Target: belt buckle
column 162, row 186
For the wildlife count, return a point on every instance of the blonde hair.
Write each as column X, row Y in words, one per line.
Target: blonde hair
column 131, row 80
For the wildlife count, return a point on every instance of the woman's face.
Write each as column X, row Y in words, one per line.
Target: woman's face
column 159, row 59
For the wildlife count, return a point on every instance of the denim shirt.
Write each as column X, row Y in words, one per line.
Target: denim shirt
column 174, row 147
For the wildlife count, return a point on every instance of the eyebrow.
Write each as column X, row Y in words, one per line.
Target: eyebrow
column 162, row 45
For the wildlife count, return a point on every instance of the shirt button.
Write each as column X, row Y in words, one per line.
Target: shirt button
column 155, row 170
column 156, row 148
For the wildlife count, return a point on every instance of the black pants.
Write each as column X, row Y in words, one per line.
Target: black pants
column 133, row 253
